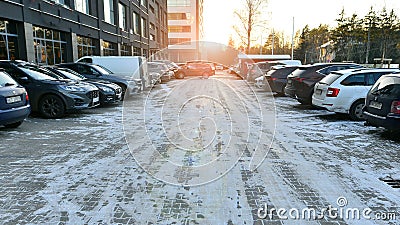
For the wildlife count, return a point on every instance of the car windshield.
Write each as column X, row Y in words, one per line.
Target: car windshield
column 330, row 78
column 6, row 80
column 386, row 85
column 36, row 74
column 71, row 75
column 102, row 69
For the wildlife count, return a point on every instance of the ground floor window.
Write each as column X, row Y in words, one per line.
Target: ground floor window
column 8, row 40
column 125, row 50
column 49, row 46
column 137, row 51
column 86, row 46
column 109, row 49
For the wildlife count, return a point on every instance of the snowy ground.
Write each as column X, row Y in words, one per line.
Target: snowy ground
column 82, row 169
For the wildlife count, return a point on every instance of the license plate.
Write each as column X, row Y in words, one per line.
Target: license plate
column 289, row 81
column 119, row 95
column 95, row 100
column 376, row 105
column 318, row 91
column 14, row 99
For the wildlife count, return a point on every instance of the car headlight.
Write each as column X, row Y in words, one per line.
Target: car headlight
column 73, row 88
column 105, row 89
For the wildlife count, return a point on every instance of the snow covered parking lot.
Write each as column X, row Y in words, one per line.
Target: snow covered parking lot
column 80, row 169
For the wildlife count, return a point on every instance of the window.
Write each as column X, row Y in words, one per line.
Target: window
column 152, row 37
column 178, row 16
column 136, row 51
column 122, row 16
column 49, row 46
column 136, row 23
column 174, row 41
column 8, row 40
column 179, row 29
column 82, row 6
column 144, row 28
column 86, row 46
column 144, row 3
column 178, row 2
column 125, row 50
column 109, row 49
column 152, row 26
column 354, row 80
column 152, row 9
column 109, row 11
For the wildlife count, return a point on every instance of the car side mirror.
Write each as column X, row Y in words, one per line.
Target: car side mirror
column 24, row 80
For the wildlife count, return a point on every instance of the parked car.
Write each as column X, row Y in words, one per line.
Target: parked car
column 257, row 70
column 382, row 105
column 14, row 102
column 160, row 71
column 171, row 65
column 52, row 97
column 277, row 78
column 97, row 72
column 109, row 92
column 344, row 91
column 195, row 69
column 300, row 83
column 128, row 67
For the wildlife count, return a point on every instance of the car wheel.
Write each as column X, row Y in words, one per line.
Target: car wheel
column 205, row 75
column 51, row 106
column 181, row 75
column 13, row 125
column 356, row 112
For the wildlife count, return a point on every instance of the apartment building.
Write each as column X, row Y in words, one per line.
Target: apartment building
column 54, row 31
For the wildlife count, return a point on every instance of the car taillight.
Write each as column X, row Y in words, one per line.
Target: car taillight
column 274, row 78
column 27, row 97
column 299, row 79
column 332, row 92
column 395, row 107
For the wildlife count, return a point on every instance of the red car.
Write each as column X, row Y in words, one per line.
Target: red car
column 195, row 69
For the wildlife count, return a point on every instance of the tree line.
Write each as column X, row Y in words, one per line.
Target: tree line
column 368, row 39
column 354, row 39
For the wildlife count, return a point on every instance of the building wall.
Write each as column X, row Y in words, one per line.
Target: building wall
column 49, row 32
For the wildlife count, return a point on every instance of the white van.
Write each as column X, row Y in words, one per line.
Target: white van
column 129, row 67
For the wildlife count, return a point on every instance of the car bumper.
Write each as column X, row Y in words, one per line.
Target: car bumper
column 81, row 100
column 14, row 115
column 390, row 122
column 330, row 105
column 290, row 92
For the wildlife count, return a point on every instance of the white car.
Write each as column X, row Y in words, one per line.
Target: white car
column 345, row 91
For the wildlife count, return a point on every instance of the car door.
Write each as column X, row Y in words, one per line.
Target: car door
column 354, row 88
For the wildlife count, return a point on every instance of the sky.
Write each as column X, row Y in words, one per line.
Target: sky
column 219, row 18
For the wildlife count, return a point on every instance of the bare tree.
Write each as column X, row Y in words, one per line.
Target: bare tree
column 249, row 17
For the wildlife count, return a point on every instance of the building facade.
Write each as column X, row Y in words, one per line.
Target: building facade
column 53, row 31
column 185, row 29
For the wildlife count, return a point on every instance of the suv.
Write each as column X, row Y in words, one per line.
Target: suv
column 97, row 72
column 277, row 78
column 48, row 94
column 109, row 92
column 300, row 83
column 344, row 91
column 14, row 102
column 382, row 106
column 195, row 69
